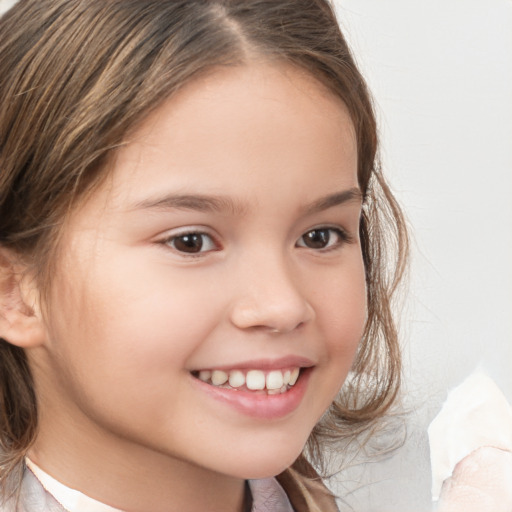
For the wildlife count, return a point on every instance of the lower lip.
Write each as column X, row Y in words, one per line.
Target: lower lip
column 260, row 405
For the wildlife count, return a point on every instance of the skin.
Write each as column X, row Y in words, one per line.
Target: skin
column 130, row 315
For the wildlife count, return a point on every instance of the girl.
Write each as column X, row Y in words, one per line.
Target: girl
column 192, row 236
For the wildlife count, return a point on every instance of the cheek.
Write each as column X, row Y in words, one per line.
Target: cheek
column 124, row 322
column 341, row 309
column 341, row 313
column 121, row 341
column 169, row 313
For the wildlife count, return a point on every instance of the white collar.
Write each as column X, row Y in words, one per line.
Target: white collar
column 70, row 499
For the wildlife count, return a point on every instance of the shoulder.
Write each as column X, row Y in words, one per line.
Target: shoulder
column 305, row 489
column 31, row 497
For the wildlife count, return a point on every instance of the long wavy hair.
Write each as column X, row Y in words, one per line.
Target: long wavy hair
column 77, row 75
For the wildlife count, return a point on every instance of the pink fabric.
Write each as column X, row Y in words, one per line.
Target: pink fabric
column 481, row 482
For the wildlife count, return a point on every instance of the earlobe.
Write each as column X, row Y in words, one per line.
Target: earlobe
column 20, row 318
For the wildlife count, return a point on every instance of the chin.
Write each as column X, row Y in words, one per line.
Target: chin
column 266, row 463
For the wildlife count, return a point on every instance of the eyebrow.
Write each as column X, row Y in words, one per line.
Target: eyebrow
column 197, row 202
column 224, row 204
column 336, row 199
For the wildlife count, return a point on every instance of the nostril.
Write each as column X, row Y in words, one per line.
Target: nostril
column 275, row 330
column 272, row 313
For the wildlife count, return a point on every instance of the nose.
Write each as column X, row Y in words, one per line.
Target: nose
column 269, row 298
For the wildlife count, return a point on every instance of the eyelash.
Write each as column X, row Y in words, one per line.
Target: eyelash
column 342, row 238
column 193, row 235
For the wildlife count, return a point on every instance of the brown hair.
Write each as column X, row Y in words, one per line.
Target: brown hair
column 77, row 75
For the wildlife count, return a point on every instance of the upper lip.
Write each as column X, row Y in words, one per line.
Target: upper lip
column 290, row 361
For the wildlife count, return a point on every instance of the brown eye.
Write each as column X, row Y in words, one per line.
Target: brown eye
column 321, row 238
column 192, row 243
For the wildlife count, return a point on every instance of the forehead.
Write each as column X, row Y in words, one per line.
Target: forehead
column 250, row 117
column 240, row 130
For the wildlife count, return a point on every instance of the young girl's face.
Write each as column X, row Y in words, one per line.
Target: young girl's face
column 223, row 245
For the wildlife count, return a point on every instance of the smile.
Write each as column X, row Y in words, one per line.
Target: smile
column 263, row 390
column 271, row 382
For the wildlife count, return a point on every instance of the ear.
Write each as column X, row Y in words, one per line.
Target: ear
column 21, row 321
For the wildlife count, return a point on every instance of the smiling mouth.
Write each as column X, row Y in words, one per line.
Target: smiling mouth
column 273, row 382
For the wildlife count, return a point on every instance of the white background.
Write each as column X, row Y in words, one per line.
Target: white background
column 6, row 4
column 441, row 73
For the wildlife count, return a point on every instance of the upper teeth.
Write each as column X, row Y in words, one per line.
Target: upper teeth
column 252, row 379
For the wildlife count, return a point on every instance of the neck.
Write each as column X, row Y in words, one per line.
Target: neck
column 134, row 479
